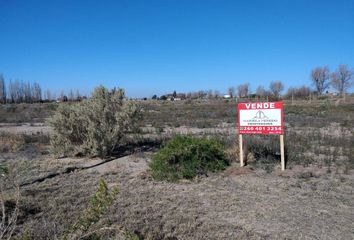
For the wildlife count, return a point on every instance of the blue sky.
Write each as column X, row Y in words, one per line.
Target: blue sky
column 154, row 47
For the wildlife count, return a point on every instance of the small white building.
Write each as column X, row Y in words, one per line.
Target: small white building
column 227, row 96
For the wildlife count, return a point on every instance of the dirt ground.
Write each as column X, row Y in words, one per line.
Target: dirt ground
column 235, row 204
column 26, row 128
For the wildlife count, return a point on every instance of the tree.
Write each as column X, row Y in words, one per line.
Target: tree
column 13, row 86
column 77, row 95
column 154, row 97
column 62, row 95
column 174, row 95
column 36, row 92
column 71, row 95
column 49, row 95
column 242, row 90
column 342, row 79
column 27, row 95
column 216, row 94
column 300, row 93
column 320, row 78
column 2, row 89
column 202, row 94
column 231, row 91
column 20, row 91
column 210, row 94
column 276, row 87
column 261, row 92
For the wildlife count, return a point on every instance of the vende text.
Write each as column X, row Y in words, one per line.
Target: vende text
column 260, row 105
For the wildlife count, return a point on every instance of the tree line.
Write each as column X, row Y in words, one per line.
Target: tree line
column 340, row 80
column 321, row 77
column 19, row 91
column 25, row 92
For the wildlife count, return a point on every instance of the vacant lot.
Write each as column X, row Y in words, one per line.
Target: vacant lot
column 312, row 199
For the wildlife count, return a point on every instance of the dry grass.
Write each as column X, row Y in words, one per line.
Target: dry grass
column 320, row 132
column 236, row 204
column 9, row 202
column 20, row 113
column 312, row 199
column 11, row 142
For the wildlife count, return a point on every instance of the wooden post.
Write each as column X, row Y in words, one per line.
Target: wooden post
column 241, row 149
column 282, row 157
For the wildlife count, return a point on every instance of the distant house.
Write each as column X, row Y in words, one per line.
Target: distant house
column 62, row 99
column 227, row 96
column 173, row 97
column 331, row 94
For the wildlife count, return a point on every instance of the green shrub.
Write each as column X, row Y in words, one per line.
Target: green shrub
column 99, row 205
column 93, row 127
column 187, row 157
column 3, row 169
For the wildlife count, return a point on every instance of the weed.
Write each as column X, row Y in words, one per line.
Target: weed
column 99, row 205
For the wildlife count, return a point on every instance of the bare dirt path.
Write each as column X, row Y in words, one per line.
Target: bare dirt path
column 26, row 128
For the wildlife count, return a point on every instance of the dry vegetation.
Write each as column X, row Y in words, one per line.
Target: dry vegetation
column 312, row 199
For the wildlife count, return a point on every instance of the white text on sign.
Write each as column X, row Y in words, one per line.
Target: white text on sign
column 260, row 105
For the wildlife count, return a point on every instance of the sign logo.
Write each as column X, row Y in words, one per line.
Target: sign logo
column 260, row 118
column 260, row 115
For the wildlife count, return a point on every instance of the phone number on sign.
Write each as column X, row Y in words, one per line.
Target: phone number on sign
column 261, row 128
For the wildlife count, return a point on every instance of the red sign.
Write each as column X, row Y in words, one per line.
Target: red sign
column 260, row 118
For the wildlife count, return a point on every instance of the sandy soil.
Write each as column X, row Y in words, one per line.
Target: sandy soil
column 27, row 128
column 224, row 129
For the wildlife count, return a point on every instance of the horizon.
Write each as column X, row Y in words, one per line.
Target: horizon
column 159, row 47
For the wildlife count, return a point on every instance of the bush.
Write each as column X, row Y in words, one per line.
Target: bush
column 187, row 157
column 93, row 127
